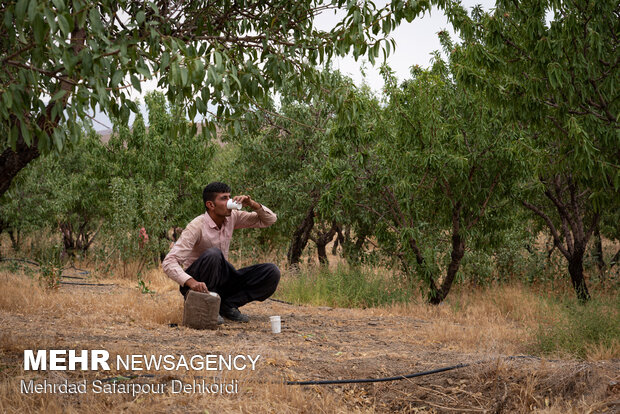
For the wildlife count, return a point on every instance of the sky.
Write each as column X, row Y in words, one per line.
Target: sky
column 415, row 43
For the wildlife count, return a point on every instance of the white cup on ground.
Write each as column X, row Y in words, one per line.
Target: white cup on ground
column 276, row 324
column 232, row 205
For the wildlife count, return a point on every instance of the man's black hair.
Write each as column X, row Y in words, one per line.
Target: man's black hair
column 208, row 194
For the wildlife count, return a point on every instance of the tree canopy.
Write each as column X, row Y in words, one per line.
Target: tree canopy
column 63, row 60
column 553, row 69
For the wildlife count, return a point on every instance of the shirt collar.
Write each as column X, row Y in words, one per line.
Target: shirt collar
column 211, row 223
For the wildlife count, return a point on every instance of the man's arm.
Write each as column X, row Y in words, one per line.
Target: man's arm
column 260, row 218
column 177, row 255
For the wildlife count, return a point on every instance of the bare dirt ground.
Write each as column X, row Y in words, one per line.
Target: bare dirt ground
column 316, row 343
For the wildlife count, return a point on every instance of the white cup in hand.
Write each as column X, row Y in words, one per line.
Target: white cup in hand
column 232, row 205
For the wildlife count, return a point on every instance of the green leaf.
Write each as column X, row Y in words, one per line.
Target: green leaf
column 136, row 83
column 25, row 133
column 32, row 10
column 191, row 111
column 199, row 70
column 116, row 78
column 140, row 17
column 8, row 19
column 64, row 25
column 87, row 62
column 165, row 61
column 20, row 10
column 40, row 29
column 58, row 139
column 13, row 136
column 8, row 99
column 50, row 18
column 236, row 79
column 58, row 95
column 60, row 5
column 95, row 20
column 133, row 106
column 154, row 7
column 218, row 61
column 144, row 71
column 184, row 76
column 174, row 73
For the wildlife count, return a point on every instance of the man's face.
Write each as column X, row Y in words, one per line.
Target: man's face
column 218, row 207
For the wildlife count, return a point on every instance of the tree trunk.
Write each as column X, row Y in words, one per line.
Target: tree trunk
column 12, row 162
column 321, row 242
column 73, row 241
column 359, row 242
column 436, row 296
column 3, row 226
column 15, row 236
column 598, row 251
column 322, row 253
column 572, row 238
column 575, row 268
column 67, row 237
column 614, row 259
column 300, row 238
column 352, row 250
column 339, row 241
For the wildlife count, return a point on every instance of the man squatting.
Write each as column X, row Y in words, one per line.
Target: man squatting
column 199, row 259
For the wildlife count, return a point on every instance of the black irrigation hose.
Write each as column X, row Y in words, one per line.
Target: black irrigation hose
column 402, row 377
column 282, row 301
column 322, row 382
column 87, row 284
column 80, row 272
column 366, row 380
column 7, row 259
column 349, row 381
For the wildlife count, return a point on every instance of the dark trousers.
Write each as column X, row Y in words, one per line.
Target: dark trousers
column 235, row 287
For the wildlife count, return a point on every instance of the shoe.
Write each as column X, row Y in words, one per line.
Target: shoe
column 233, row 314
column 220, row 320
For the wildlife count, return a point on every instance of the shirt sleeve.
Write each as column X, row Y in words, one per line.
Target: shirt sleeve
column 263, row 217
column 173, row 263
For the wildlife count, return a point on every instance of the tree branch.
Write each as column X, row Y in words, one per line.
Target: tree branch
column 554, row 232
column 484, row 204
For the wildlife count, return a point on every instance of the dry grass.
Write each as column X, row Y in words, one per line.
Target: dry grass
column 316, row 343
column 25, row 296
column 500, row 320
column 547, row 387
column 98, row 313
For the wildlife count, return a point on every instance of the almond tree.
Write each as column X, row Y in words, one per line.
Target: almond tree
column 437, row 175
column 553, row 67
column 65, row 192
column 149, row 178
column 282, row 162
column 156, row 177
column 64, row 60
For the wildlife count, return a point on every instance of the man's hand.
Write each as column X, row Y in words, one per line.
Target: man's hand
column 193, row 284
column 246, row 201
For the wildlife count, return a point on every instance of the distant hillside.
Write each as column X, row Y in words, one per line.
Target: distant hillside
column 107, row 133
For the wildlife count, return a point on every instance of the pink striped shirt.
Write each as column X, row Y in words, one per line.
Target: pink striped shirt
column 202, row 233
